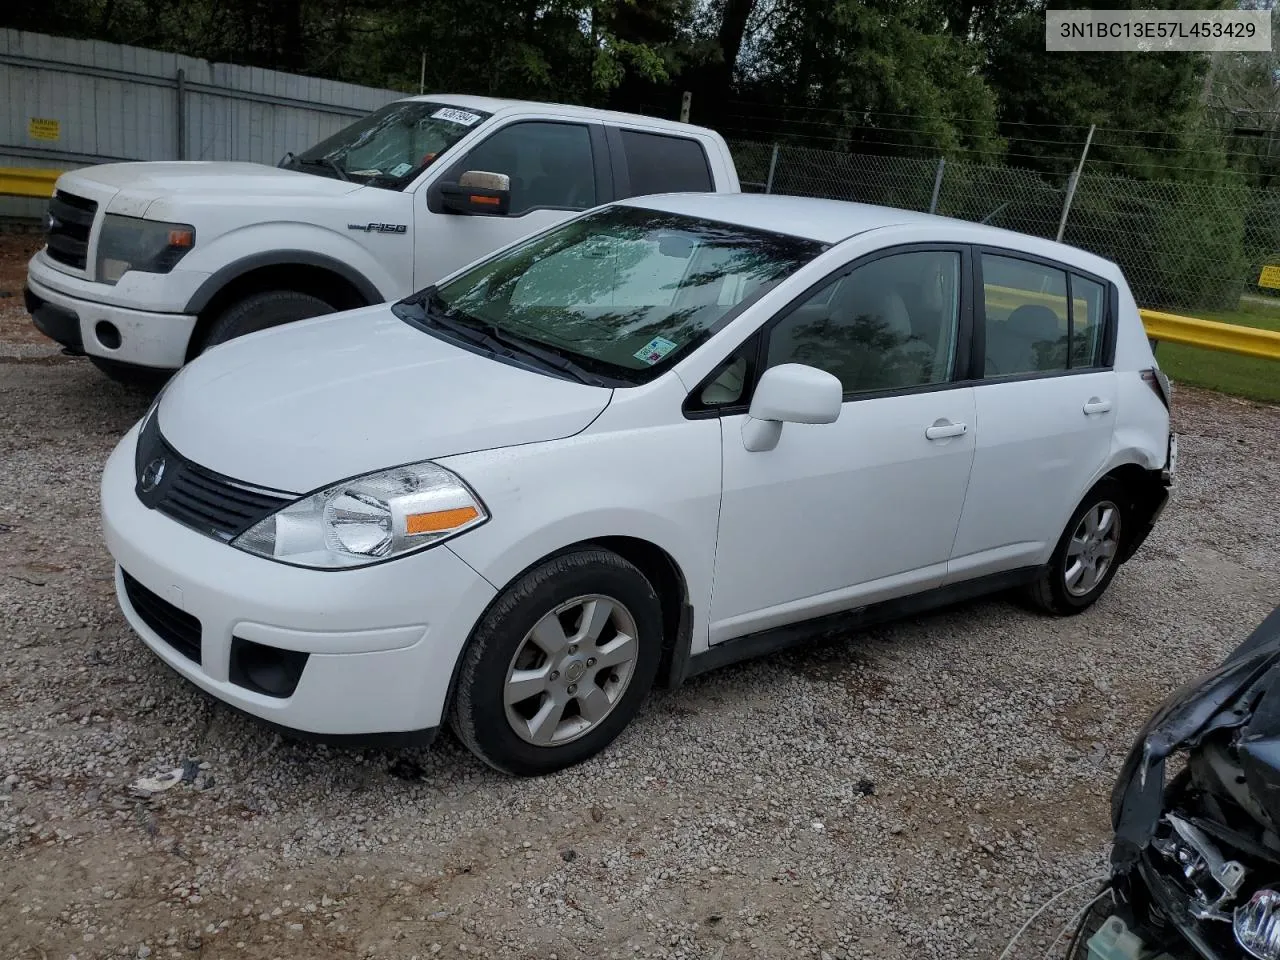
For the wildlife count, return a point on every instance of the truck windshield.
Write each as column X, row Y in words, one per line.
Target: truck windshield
column 391, row 146
column 622, row 292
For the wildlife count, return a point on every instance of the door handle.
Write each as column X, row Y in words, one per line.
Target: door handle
column 1096, row 405
column 942, row 429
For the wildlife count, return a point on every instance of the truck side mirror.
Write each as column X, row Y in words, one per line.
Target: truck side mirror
column 477, row 192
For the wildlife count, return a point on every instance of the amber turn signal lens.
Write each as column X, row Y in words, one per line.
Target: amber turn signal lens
column 439, row 520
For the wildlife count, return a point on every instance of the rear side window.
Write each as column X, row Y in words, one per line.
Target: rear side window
column 662, row 164
column 1089, row 304
column 1026, row 316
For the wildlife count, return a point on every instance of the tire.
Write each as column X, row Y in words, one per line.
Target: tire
column 509, row 736
column 261, row 311
column 1065, row 589
column 148, row 379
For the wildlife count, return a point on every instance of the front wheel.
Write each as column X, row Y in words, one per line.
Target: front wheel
column 261, row 311
column 1086, row 558
column 560, row 664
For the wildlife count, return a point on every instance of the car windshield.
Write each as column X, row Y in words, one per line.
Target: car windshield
column 391, row 146
column 622, row 292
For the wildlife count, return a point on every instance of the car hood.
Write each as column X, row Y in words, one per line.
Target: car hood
column 1242, row 694
column 131, row 188
column 299, row 407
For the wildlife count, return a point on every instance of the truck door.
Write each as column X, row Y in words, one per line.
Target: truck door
column 557, row 168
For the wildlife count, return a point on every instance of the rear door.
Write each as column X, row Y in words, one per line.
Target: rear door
column 557, row 169
column 1045, row 407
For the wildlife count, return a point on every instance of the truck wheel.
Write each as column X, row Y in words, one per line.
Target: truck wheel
column 149, row 379
column 261, row 311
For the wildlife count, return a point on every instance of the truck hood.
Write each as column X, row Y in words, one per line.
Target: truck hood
column 130, row 188
column 302, row 406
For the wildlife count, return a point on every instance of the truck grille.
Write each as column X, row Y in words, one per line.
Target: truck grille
column 70, row 220
column 174, row 626
column 195, row 496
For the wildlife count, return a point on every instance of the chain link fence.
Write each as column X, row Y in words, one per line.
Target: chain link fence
column 1183, row 246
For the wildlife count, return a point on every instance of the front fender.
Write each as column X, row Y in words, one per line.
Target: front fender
column 660, row 485
column 248, row 248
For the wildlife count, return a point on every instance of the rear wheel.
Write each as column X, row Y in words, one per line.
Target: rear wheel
column 1087, row 555
column 560, row 664
column 261, row 311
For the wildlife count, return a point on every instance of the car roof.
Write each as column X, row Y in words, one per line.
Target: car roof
column 496, row 105
column 833, row 221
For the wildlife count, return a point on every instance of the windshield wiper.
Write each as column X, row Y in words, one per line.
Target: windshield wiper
column 499, row 341
column 323, row 162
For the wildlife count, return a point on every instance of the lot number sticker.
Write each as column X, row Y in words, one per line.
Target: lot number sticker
column 456, row 116
column 41, row 129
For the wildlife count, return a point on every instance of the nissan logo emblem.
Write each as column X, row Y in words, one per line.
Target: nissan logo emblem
column 152, row 475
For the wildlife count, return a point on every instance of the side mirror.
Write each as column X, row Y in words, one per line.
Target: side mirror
column 790, row 393
column 477, row 191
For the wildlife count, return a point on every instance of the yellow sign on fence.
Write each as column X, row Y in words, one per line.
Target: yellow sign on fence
column 41, row 129
column 1270, row 277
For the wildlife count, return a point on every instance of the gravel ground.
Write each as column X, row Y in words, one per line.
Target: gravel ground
column 913, row 792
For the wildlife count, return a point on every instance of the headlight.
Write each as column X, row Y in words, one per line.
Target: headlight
column 1257, row 925
column 128, row 243
column 368, row 519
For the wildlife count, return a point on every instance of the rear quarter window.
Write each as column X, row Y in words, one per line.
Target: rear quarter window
column 663, row 164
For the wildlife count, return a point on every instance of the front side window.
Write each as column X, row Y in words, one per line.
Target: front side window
column 890, row 324
column 550, row 165
column 623, row 292
column 391, row 146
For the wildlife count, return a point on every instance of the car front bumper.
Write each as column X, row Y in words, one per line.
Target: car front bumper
column 378, row 645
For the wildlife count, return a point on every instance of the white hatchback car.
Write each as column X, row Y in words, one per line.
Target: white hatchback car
column 669, row 434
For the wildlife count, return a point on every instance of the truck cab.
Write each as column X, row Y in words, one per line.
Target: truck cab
column 149, row 264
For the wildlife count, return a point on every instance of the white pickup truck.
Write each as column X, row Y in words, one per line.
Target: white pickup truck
column 148, row 264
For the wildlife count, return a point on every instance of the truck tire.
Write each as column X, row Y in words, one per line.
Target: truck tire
column 261, row 311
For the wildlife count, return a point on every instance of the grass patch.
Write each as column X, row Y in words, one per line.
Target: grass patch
column 1253, row 378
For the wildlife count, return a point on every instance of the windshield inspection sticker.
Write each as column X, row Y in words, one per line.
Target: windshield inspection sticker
column 456, row 116
column 654, row 350
column 400, row 169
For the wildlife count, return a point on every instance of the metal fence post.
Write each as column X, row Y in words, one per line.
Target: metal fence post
column 1071, row 184
column 773, row 165
column 937, row 185
column 182, row 114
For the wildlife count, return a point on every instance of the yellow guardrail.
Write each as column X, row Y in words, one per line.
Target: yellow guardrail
column 27, row 182
column 1211, row 335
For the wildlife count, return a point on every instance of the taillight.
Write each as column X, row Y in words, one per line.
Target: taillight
column 1154, row 378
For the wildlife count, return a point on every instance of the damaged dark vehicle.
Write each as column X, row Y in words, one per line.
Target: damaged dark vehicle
column 1195, row 866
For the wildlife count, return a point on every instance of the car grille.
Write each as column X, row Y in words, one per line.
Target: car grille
column 70, row 220
column 175, row 627
column 195, row 496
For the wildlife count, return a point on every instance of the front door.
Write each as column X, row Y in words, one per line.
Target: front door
column 1045, row 409
column 840, row 515
column 555, row 173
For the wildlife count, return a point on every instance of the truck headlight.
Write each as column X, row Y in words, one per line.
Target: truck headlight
column 130, row 243
column 367, row 519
